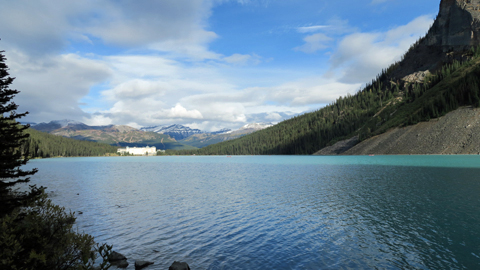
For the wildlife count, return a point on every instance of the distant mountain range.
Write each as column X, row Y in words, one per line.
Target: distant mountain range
column 179, row 132
column 204, row 139
column 175, row 137
column 110, row 134
column 54, row 125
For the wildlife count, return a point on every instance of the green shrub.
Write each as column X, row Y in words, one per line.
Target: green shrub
column 42, row 237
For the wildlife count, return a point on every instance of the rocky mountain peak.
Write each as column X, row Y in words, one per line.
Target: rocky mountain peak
column 455, row 31
column 177, row 132
column 457, row 26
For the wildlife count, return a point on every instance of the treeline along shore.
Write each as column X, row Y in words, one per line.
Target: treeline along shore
column 44, row 145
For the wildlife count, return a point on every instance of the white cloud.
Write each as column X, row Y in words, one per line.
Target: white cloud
column 321, row 41
column 180, row 112
column 361, row 56
column 38, row 27
column 243, row 59
column 52, row 88
column 169, row 26
column 97, row 120
column 274, row 117
column 314, row 43
column 165, row 72
column 313, row 28
column 136, row 89
column 237, row 58
column 46, row 26
column 310, row 91
column 52, row 82
column 191, row 47
column 222, row 106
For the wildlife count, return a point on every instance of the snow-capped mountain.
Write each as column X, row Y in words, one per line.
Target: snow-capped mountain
column 183, row 137
column 221, row 131
column 178, row 132
column 202, row 140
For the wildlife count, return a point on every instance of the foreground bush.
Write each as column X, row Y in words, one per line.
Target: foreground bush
column 42, row 237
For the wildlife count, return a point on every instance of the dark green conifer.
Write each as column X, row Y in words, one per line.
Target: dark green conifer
column 12, row 137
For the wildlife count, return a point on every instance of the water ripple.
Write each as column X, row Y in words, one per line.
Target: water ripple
column 275, row 212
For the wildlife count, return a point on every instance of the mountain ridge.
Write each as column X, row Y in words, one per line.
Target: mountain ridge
column 159, row 136
column 206, row 139
column 118, row 135
column 455, row 30
column 179, row 132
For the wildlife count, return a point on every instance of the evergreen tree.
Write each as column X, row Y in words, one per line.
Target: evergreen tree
column 12, row 137
column 34, row 233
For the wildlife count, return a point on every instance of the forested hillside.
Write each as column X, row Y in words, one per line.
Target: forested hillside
column 382, row 104
column 45, row 145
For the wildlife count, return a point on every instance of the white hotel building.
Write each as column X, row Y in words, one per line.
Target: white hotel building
column 138, row 151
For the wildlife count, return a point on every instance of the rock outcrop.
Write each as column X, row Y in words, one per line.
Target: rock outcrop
column 457, row 26
column 142, row 264
column 455, row 31
column 179, row 266
column 118, row 259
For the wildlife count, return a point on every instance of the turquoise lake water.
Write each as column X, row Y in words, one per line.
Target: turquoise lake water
column 277, row 212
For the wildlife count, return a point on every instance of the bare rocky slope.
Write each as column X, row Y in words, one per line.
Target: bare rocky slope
column 457, row 132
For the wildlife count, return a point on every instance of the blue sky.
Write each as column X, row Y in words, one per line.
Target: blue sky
column 207, row 64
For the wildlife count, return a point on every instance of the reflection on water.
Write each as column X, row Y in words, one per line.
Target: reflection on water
column 277, row 212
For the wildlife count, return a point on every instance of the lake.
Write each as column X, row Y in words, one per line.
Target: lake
column 276, row 212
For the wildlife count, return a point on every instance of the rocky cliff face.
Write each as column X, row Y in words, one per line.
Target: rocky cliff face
column 457, row 26
column 455, row 30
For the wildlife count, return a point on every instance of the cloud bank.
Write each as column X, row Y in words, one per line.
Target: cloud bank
column 119, row 62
